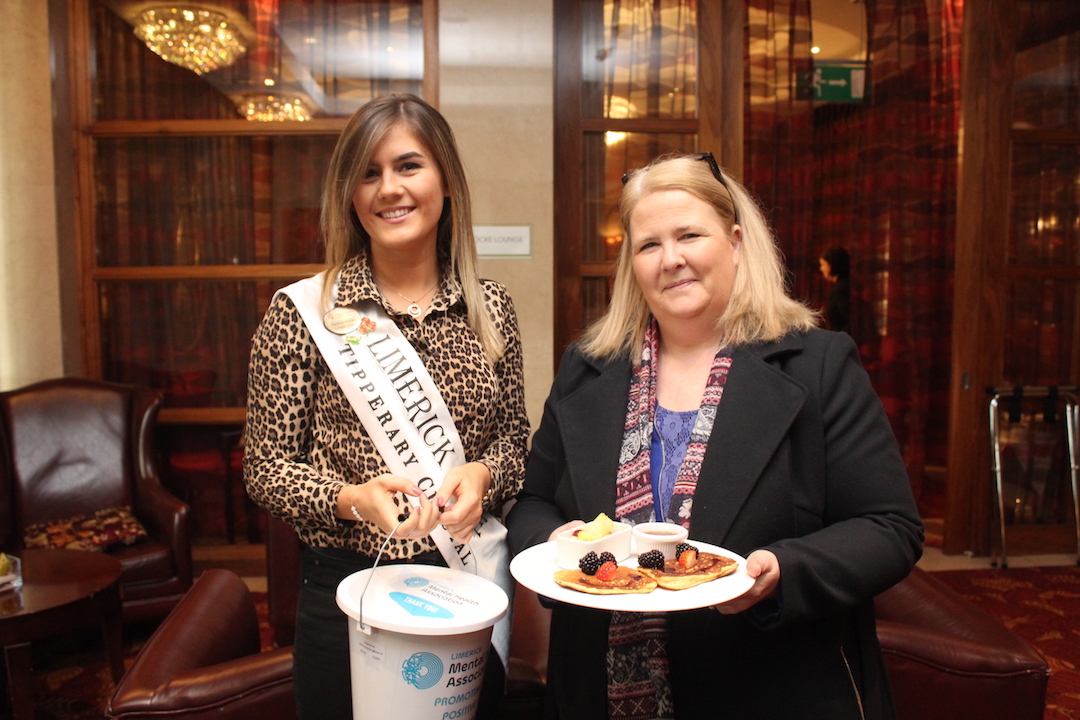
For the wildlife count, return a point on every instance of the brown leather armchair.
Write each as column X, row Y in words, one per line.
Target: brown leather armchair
column 949, row 659
column 73, row 446
column 204, row 661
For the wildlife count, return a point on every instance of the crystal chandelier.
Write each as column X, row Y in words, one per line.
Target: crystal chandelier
column 198, row 39
column 272, row 108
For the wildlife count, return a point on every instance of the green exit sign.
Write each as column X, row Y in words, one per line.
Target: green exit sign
column 839, row 83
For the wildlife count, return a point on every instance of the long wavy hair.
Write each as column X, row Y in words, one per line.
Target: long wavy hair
column 345, row 237
column 759, row 308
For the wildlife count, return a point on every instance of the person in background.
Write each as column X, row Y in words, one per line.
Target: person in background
column 835, row 264
column 707, row 397
column 397, row 224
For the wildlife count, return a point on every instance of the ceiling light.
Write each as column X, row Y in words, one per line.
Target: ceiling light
column 273, row 108
column 199, row 39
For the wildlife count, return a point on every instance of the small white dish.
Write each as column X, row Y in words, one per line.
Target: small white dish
column 571, row 550
column 662, row 536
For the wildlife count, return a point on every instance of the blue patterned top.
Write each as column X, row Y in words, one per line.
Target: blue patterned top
column 670, row 438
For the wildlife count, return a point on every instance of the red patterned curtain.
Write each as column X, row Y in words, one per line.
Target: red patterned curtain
column 779, row 130
column 877, row 178
column 886, row 173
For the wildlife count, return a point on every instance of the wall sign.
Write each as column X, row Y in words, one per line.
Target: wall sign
column 839, row 83
column 503, row 240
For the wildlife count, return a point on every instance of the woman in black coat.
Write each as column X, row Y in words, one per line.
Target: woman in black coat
column 707, row 397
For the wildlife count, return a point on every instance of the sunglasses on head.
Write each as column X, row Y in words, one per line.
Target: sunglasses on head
column 717, row 173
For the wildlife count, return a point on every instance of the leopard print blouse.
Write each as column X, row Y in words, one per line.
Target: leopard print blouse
column 304, row 441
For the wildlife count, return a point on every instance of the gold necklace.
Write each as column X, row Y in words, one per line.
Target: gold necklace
column 414, row 305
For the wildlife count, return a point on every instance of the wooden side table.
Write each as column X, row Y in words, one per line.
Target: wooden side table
column 63, row 590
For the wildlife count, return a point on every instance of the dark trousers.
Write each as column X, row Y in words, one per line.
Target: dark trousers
column 322, row 681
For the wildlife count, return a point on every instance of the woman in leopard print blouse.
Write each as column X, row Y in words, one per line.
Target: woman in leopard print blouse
column 397, row 223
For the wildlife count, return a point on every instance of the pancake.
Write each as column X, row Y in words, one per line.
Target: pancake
column 707, row 568
column 626, row 581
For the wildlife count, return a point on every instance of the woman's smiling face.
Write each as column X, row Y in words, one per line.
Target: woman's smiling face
column 400, row 196
column 683, row 258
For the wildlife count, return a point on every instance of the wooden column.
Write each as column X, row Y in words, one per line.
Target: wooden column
column 989, row 46
column 722, row 37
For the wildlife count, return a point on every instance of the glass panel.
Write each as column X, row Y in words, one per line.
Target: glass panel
column 202, row 464
column 209, row 200
column 330, row 56
column 607, row 157
column 189, row 339
column 1034, row 463
column 1046, row 205
column 640, row 59
column 1046, row 90
column 595, row 296
column 1042, row 346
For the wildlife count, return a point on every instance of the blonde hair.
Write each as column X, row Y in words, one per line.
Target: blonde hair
column 759, row 308
column 346, row 238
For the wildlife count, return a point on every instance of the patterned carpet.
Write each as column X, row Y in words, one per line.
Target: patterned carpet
column 1040, row 604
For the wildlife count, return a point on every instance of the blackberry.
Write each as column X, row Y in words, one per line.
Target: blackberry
column 683, row 547
column 589, row 563
column 652, row 559
column 606, row 557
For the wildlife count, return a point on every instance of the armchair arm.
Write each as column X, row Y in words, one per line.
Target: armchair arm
column 953, row 654
column 924, row 602
column 947, row 658
column 256, row 686
column 166, row 518
column 163, row 514
column 204, row 661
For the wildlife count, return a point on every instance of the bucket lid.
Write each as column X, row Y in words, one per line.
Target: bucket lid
column 422, row 600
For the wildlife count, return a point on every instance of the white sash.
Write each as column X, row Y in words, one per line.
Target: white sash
column 406, row 418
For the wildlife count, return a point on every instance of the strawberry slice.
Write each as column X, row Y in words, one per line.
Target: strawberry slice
column 688, row 558
column 607, row 572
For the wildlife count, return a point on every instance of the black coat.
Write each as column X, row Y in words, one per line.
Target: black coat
column 801, row 461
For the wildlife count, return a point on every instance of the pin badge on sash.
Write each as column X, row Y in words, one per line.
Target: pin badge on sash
column 342, row 320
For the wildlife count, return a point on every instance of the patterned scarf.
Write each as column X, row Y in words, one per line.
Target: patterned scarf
column 637, row 662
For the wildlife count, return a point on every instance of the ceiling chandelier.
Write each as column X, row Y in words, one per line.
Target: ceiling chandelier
column 272, row 108
column 199, row 39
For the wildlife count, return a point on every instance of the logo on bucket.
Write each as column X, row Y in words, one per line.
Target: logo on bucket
column 422, row 670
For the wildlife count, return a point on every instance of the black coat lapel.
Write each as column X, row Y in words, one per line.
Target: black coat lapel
column 592, row 431
column 759, row 405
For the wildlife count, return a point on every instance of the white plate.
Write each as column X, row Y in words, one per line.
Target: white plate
column 535, row 569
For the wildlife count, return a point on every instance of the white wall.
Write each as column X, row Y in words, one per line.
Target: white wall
column 30, row 337
column 497, row 92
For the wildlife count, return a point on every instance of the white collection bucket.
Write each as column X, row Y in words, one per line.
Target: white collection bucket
column 419, row 639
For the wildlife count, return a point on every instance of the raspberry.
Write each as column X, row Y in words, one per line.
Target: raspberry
column 607, row 572
column 606, row 557
column 683, row 547
column 652, row 559
column 688, row 558
column 589, row 563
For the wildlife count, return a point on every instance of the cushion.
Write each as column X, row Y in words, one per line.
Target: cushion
column 100, row 531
